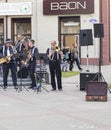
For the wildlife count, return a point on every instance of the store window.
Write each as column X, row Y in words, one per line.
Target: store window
column 21, row 26
column 1, row 31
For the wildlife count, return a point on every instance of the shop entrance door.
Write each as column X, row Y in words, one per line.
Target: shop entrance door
column 69, row 40
column 69, row 30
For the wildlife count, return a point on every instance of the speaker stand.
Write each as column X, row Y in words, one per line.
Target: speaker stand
column 99, row 74
column 87, row 60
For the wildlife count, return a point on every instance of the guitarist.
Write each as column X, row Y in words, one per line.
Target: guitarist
column 7, row 50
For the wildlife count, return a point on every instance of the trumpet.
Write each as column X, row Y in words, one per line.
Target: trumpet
column 5, row 59
column 56, row 48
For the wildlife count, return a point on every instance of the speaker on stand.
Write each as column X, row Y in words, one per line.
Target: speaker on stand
column 99, row 33
column 98, row 30
column 86, row 40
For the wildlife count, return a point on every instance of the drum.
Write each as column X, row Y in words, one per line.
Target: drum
column 23, row 73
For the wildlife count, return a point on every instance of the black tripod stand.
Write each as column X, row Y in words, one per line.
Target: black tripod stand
column 99, row 74
column 39, row 77
column 21, row 75
column 87, row 59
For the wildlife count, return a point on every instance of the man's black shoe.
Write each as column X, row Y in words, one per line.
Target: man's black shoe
column 60, row 89
column 15, row 87
column 53, row 89
column 4, row 87
column 31, row 88
column 81, row 69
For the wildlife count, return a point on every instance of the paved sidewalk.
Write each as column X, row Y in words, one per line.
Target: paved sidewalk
column 58, row 110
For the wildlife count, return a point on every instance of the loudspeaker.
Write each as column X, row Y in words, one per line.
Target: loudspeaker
column 85, row 77
column 98, row 30
column 86, row 37
column 96, row 88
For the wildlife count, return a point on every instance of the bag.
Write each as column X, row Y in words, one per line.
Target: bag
column 96, row 98
column 67, row 56
column 96, row 91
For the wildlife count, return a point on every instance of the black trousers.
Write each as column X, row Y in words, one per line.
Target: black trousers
column 55, row 72
column 32, row 66
column 13, row 67
column 71, row 64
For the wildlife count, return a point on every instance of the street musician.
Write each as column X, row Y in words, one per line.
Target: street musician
column 8, row 61
column 31, row 61
column 54, row 55
column 22, row 47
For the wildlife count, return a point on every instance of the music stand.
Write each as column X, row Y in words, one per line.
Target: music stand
column 20, row 57
column 39, row 76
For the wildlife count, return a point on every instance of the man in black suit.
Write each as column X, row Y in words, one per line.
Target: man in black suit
column 32, row 62
column 7, row 51
column 54, row 55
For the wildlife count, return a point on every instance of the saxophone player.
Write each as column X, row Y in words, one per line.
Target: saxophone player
column 32, row 62
column 7, row 50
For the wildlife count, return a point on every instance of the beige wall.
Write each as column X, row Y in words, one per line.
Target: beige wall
column 33, row 19
column 45, row 28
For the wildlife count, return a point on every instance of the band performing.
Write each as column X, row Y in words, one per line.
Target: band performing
column 21, row 57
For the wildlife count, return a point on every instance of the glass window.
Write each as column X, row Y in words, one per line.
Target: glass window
column 1, row 31
column 69, row 27
column 22, row 28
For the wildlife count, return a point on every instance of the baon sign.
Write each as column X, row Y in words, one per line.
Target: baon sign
column 56, row 7
column 67, row 5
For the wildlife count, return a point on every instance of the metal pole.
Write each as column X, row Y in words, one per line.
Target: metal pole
column 6, row 18
column 87, row 60
column 100, row 58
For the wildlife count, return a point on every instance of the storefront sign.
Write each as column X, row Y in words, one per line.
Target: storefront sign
column 56, row 7
column 21, row 8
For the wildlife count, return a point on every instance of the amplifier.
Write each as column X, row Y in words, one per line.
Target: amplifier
column 85, row 77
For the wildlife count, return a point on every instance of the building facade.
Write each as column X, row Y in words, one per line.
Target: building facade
column 60, row 20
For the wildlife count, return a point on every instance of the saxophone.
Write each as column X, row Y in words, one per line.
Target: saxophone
column 5, row 59
column 25, row 62
column 29, row 56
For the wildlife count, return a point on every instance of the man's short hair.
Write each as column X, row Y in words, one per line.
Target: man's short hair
column 33, row 41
